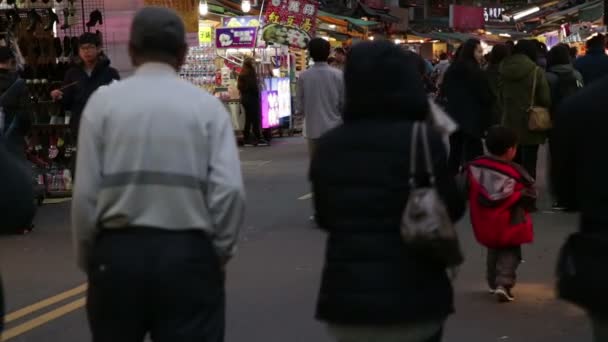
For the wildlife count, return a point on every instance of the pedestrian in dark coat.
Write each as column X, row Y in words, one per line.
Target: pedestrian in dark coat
column 469, row 102
column 517, row 74
column 499, row 53
column 564, row 81
column 578, row 176
column 594, row 65
column 91, row 71
column 373, row 285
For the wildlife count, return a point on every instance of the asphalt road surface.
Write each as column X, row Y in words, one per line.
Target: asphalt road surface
column 273, row 283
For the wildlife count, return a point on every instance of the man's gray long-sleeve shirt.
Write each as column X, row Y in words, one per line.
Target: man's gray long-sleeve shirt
column 320, row 98
column 156, row 151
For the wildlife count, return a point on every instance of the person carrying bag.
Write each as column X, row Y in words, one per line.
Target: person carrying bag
column 426, row 224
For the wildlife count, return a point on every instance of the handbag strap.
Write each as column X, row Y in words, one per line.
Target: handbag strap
column 420, row 129
column 534, row 79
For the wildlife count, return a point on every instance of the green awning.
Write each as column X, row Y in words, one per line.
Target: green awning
column 354, row 21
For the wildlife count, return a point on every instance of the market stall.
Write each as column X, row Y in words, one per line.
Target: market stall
column 44, row 38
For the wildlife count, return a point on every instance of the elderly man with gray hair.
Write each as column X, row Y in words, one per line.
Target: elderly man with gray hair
column 159, row 199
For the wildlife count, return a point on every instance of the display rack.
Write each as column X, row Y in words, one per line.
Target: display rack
column 44, row 36
column 200, row 68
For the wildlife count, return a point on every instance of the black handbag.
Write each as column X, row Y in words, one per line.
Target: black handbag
column 426, row 226
column 581, row 271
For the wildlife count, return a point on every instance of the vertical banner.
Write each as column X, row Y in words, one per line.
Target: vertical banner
column 290, row 22
column 187, row 10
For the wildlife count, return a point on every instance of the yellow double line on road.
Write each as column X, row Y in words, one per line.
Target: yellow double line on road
column 47, row 317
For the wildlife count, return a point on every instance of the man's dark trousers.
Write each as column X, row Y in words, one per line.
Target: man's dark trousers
column 168, row 284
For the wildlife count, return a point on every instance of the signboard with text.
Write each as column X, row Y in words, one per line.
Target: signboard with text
column 290, row 22
column 466, row 17
column 235, row 37
column 205, row 34
column 493, row 13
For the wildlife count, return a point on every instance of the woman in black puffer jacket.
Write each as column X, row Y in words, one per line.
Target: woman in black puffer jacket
column 374, row 287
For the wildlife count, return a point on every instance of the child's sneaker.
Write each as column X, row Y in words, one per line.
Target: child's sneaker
column 504, row 295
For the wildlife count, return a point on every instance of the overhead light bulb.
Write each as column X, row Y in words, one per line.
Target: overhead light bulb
column 526, row 13
column 246, row 6
column 371, row 38
column 203, row 8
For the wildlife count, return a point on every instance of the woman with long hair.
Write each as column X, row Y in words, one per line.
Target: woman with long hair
column 249, row 87
column 517, row 75
column 469, row 102
column 371, row 288
column 498, row 54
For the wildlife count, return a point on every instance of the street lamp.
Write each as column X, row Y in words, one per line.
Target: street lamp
column 203, row 8
column 246, row 6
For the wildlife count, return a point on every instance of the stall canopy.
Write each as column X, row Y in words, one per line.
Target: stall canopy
column 356, row 22
column 361, row 10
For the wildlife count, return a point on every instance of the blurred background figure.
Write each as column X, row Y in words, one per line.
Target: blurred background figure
column 515, row 95
column 361, row 209
column 440, row 69
column 340, row 58
column 469, row 102
column 564, row 82
column 594, row 64
column 498, row 54
column 249, row 87
column 15, row 103
column 91, row 71
column 579, row 170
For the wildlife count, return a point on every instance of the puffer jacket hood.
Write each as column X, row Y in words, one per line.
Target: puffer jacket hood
column 517, row 67
column 496, row 192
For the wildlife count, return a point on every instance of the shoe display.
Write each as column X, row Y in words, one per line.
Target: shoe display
column 504, row 295
column 95, row 18
column 67, row 46
column 66, row 19
column 34, row 19
column 57, row 47
column 53, row 18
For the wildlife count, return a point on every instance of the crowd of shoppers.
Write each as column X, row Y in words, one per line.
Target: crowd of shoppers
column 159, row 200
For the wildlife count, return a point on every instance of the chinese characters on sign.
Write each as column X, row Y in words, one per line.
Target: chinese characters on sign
column 290, row 22
column 187, row 10
column 205, row 34
column 493, row 13
column 235, row 38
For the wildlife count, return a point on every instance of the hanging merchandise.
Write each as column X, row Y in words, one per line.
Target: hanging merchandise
column 200, row 68
column 44, row 38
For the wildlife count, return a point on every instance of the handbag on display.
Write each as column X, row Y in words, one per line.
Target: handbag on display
column 426, row 226
column 580, row 271
column 539, row 118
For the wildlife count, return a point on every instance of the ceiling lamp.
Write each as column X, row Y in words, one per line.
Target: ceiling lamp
column 203, row 8
column 525, row 13
column 246, row 6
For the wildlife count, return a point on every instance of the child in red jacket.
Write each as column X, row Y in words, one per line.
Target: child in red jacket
column 501, row 195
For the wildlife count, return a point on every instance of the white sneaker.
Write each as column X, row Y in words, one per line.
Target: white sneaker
column 503, row 295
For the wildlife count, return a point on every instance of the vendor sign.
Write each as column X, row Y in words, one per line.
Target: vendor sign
column 290, row 22
column 235, row 38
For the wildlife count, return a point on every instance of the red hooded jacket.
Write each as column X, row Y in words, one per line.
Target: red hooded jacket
column 501, row 196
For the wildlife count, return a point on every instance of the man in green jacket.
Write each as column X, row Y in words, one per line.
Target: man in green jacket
column 517, row 75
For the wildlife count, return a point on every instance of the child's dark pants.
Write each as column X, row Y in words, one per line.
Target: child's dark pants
column 502, row 265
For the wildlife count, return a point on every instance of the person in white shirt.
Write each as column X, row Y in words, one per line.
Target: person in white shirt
column 159, row 198
column 440, row 69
